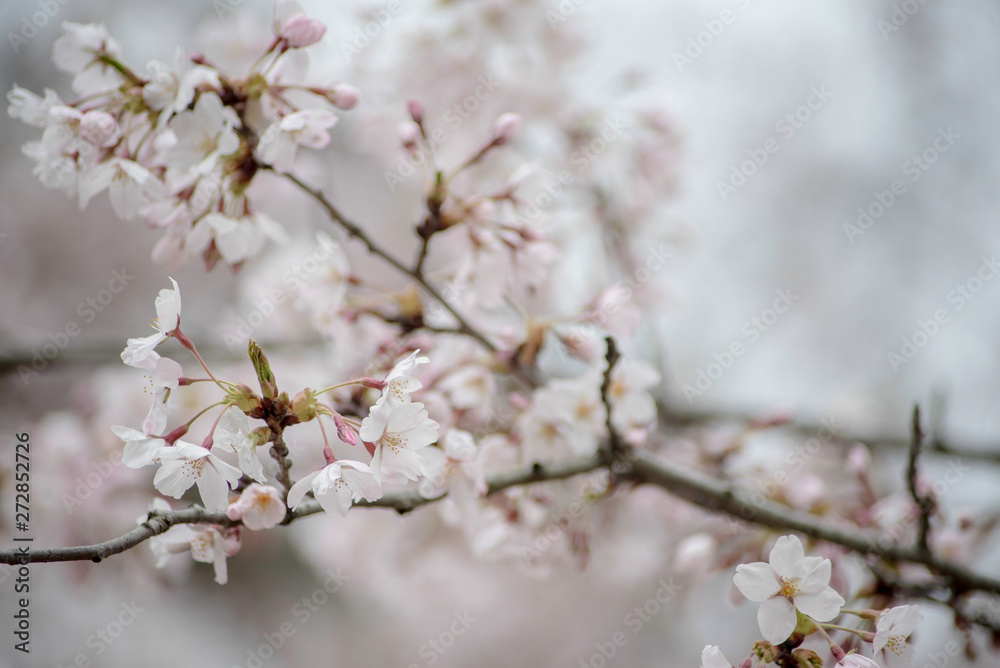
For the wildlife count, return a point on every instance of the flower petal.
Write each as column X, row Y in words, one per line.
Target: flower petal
column 776, row 618
column 822, row 607
column 786, row 555
column 756, row 581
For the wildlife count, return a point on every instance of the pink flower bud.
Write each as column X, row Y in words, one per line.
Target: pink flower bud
column 416, row 111
column 505, row 127
column 409, row 133
column 300, row 31
column 343, row 96
column 97, row 127
column 344, row 432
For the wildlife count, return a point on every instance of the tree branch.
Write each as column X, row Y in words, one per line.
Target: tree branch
column 925, row 503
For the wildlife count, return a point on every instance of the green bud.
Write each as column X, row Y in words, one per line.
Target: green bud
column 244, row 398
column 261, row 435
column 806, row 658
column 765, row 651
column 268, row 386
column 304, row 405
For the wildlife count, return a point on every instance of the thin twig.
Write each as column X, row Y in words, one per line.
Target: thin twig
column 615, row 445
column 924, row 503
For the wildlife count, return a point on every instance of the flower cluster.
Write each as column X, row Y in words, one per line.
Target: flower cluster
column 180, row 146
column 796, row 601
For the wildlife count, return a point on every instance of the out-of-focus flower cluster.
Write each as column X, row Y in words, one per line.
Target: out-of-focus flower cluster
column 180, row 144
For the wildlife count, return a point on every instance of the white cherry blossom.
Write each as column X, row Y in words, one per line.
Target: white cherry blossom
column 631, row 405
column 280, row 142
column 337, row 485
column 77, row 51
column 29, row 108
column 236, row 239
column 165, row 378
column 259, row 507
column 790, row 581
column 130, row 186
column 139, row 352
column 186, row 464
column 892, row 631
column 206, row 544
column 233, row 433
column 199, row 137
column 453, row 469
column 400, row 382
column 712, row 657
column 398, row 431
column 141, row 449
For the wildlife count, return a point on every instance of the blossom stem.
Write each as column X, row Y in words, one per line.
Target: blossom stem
column 189, row 344
column 864, row 635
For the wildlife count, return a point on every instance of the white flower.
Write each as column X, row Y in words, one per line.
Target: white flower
column 400, row 383
column 453, row 469
column 141, row 449
column 337, row 485
column 185, row 464
column 469, row 386
column 29, row 108
column 77, row 51
column 139, row 352
column 171, row 90
column 894, row 626
column 566, row 416
column 631, row 405
column 280, row 142
column 200, row 136
column 166, row 375
column 207, row 545
column 259, row 506
column 131, row 186
column 236, row 239
column 712, row 657
column 790, row 582
column 233, row 433
column 398, row 431
column 856, row 661
column 55, row 170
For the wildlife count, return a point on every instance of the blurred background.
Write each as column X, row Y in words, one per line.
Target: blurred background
column 793, row 124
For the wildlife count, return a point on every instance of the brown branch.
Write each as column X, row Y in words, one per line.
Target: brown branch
column 375, row 249
column 615, row 445
column 925, row 503
column 402, row 502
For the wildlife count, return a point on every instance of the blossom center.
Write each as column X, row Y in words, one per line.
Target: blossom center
column 896, row 645
column 789, row 587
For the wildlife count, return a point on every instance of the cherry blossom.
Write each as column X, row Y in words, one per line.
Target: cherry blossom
column 140, row 352
column 199, row 137
column 468, row 386
column 892, row 632
column 337, row 485
column 141, row 449
column 631, row 405
column 857, row 661
column 206, row 544
column 233, row 433
column 259, row 507
column 165, row 378
column 400, row 382
column 77, row 51
column 185, row 464
column 236, row 239
column 453, row 469
column 398, row 431
column 171, row 89
column 280, row 142
column 790, row 582
column 712, row 657
column 130, row 185
column 29, row 108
